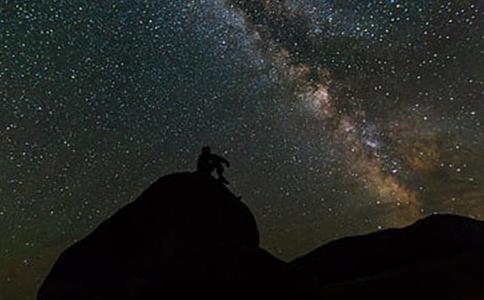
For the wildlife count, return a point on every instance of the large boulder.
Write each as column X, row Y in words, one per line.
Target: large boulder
column 187, row 235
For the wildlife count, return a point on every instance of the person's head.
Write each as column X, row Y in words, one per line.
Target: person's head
column 206, row 150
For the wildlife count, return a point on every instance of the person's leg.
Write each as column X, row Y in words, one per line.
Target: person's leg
column 220, row 172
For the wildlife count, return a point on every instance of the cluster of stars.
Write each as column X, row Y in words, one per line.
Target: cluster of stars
column 339, row 117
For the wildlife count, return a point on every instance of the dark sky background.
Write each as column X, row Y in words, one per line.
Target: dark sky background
column 339, row 117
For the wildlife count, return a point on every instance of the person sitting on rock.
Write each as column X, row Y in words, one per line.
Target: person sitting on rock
column 208, row 161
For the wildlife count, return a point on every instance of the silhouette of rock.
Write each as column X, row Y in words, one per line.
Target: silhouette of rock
column 187, row 235
column 439, row 257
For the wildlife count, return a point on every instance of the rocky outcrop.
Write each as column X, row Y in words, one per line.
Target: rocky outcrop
column 187, row 235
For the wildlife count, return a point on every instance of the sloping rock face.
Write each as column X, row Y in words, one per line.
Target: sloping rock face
column 187, row 235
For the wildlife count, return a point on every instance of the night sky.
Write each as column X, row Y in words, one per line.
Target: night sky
column 338, row 117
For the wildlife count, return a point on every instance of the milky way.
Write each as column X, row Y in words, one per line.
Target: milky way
column 384, row 56
column 339, row 117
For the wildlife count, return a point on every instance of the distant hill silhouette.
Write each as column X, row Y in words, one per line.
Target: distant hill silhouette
column 188, row 236
column 439, row 257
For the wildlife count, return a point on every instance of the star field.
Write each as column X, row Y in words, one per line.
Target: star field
column 338, row 117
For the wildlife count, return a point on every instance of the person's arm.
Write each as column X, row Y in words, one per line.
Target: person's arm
column 222, row 160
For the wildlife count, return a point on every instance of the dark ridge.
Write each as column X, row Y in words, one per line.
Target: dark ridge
column 432, row 238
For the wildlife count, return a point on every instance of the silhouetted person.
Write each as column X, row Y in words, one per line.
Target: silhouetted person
column 208, row 161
